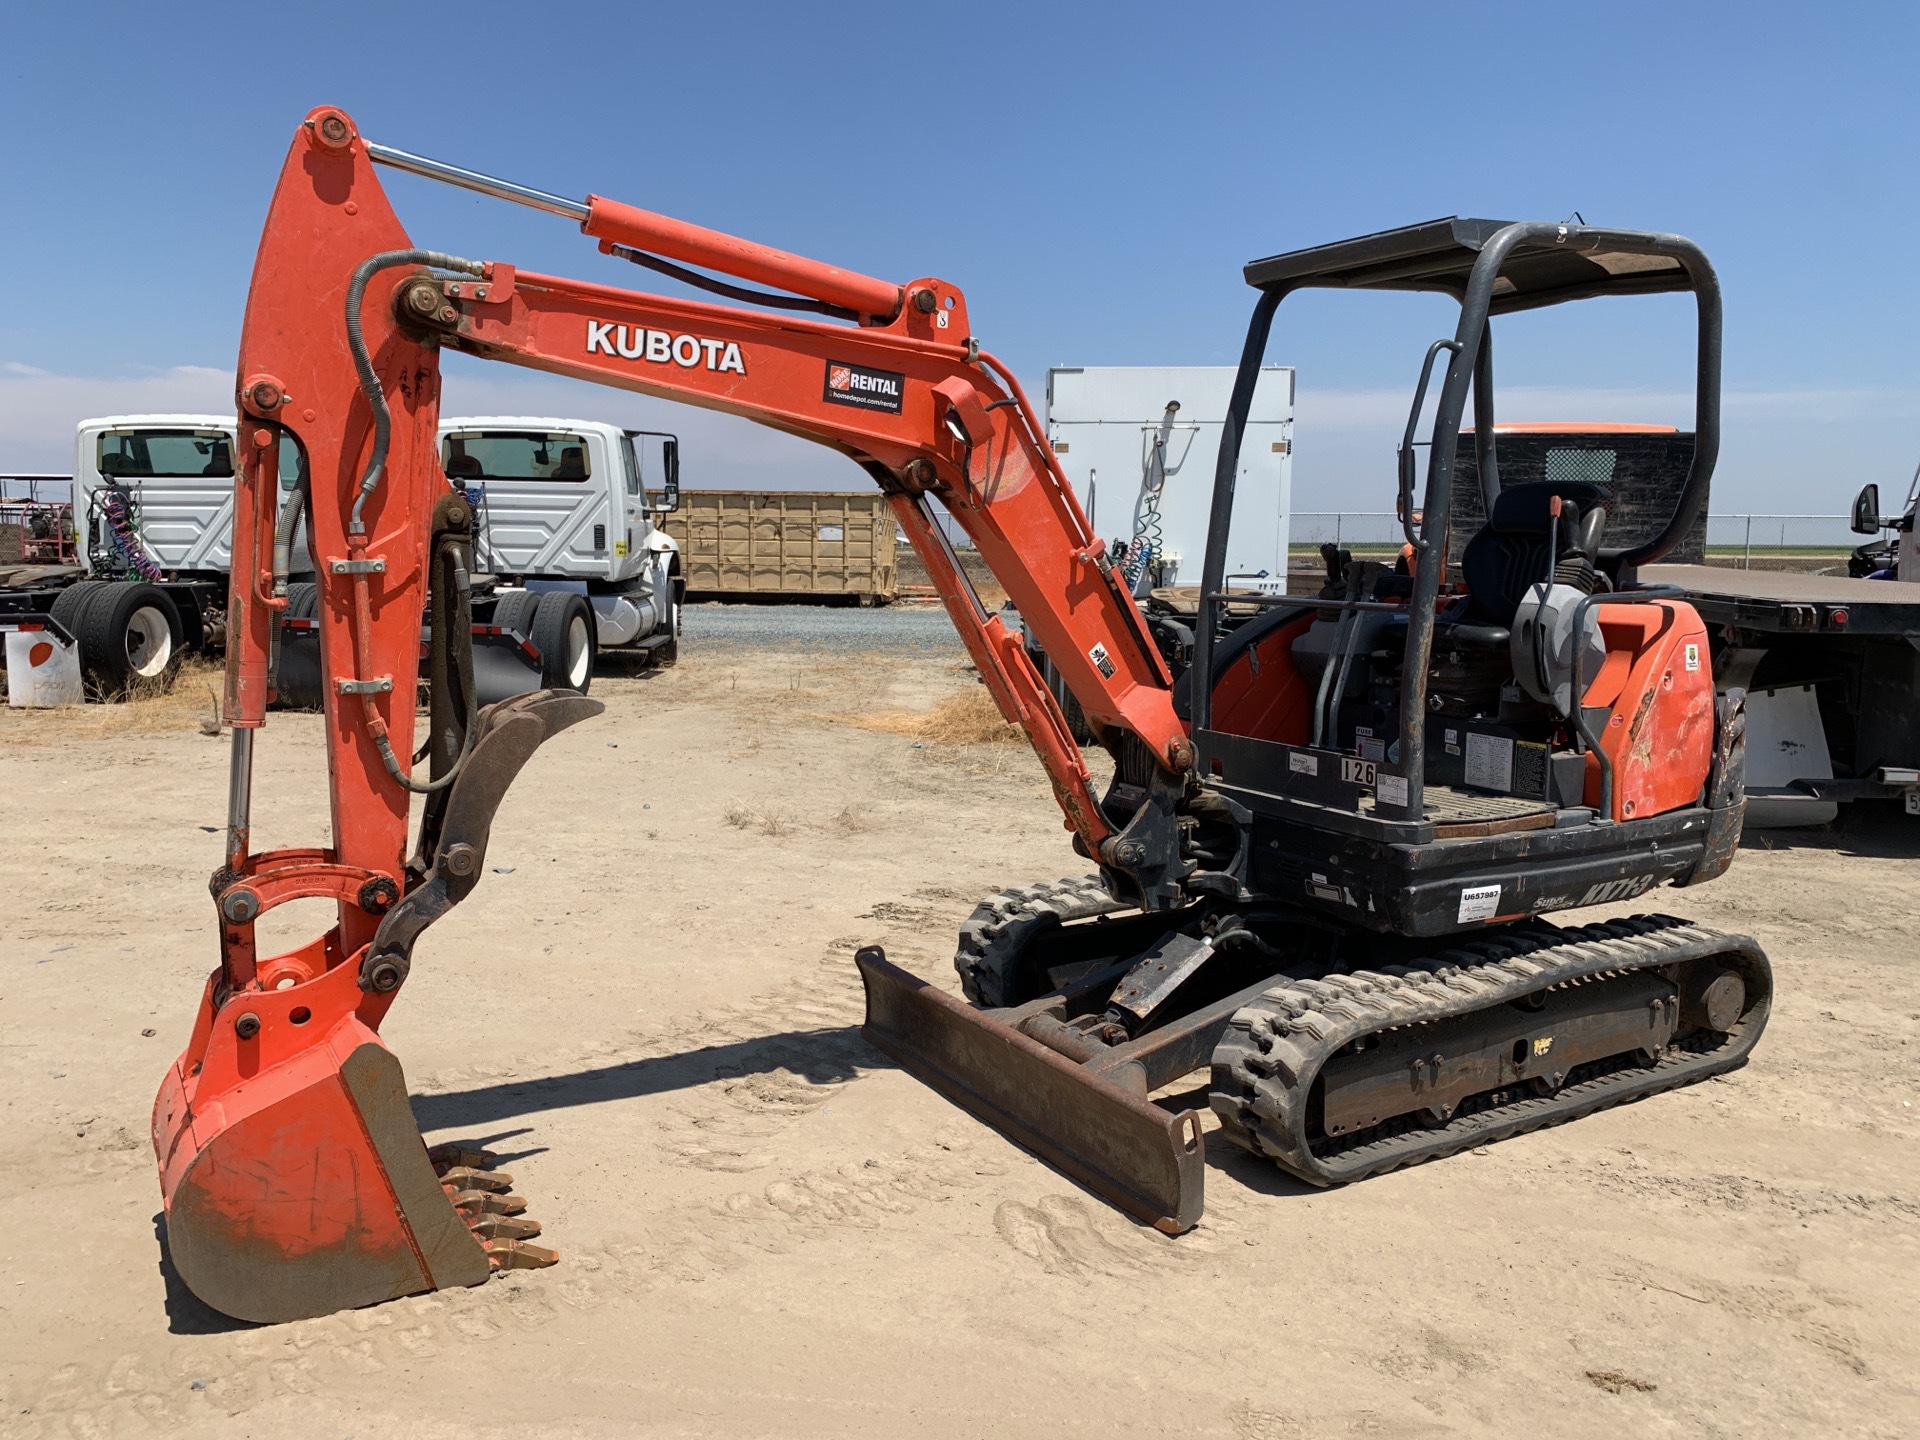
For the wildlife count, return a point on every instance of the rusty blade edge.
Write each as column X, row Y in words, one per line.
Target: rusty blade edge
column 1173, row 1209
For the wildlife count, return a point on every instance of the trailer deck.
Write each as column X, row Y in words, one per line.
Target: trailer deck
column 1771, row 600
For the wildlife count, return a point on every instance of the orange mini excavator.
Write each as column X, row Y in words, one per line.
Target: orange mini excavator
column 1298, row 800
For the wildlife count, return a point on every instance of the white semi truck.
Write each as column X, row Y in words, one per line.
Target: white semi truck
column 569, row 507
column 569, row 560
column 149, row 508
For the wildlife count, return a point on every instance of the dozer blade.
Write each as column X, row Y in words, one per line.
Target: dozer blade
column 1148, row 1161
column 294, row 1177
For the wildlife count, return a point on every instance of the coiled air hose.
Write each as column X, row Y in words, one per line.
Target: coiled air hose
column 124, row 538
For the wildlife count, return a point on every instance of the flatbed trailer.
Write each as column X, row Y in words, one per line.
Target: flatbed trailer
column 1831, row 667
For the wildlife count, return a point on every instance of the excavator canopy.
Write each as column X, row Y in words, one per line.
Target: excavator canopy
column 1576, row 263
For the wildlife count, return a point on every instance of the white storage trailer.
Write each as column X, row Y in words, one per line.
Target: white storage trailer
column 1139, row 444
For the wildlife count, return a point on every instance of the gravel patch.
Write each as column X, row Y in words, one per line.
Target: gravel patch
column 907, row 629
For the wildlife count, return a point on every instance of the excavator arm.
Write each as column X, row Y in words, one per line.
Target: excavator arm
column 924, row 416
column 293, row 1175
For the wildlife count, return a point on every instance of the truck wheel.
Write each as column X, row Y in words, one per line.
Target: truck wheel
column 297, row 684
column 568, row 642
column 71, row 602
column 669, row 653
column 130, row 640
column 514, row 611
column 1077, row 722
column 303, row 600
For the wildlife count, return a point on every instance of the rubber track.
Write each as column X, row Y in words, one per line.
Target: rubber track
column 1005, row 923
column 1265, row 1065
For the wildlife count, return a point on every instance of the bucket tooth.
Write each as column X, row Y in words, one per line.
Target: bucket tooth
column 503, row 1227
column 466, row 1177
column 453, row 1153
column 516, row 1255
column 485, row 1202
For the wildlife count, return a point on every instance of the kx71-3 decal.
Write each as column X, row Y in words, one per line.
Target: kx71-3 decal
column 631, row 342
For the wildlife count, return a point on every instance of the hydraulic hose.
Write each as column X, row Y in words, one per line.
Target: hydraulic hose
column 289, row 523
column 370, row 482
column 363, row 361
column 462, row 585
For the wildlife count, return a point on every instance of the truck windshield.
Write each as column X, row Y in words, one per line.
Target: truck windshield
column 514, row 455
column 151, row 454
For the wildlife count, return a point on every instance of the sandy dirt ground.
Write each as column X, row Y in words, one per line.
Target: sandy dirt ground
column 650, row 1004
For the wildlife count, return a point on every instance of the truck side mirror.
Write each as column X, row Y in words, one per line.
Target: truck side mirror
column 670, row 469
column 1866, row 511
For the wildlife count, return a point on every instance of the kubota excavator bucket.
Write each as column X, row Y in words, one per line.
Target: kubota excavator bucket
column 295, row 1179
column 304, row 1188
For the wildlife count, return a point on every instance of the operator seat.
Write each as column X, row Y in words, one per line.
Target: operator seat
column 1509, row 554
column 462, row 467
column 1471, row 656
column 573, row 464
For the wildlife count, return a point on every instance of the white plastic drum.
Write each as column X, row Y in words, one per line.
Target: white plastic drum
column 41, row 671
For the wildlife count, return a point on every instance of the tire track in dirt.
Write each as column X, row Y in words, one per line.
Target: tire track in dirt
column 774, row 1081
column 187, row 1381
column 760, row 1092
column 794, row 1047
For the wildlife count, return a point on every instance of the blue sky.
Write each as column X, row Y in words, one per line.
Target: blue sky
column 1093, row 176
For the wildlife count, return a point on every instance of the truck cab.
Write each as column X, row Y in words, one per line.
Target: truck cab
column 571, row 505
column 155, row 492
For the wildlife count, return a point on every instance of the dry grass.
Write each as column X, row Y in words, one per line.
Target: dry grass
column 193, row 703
column 851, row 820
column 968, row 717
column 1618, row 1382
column 752, row 817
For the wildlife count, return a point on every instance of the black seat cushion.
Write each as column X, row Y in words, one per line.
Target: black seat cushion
column 1510, row 552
